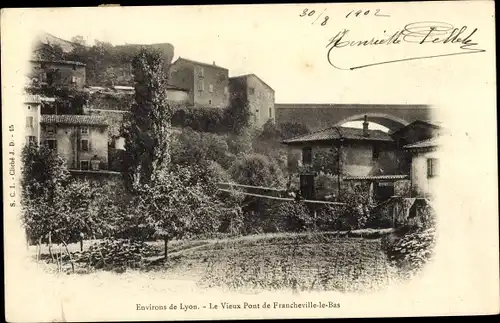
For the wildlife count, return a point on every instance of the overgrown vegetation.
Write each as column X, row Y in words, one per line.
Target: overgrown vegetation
column 169, row 191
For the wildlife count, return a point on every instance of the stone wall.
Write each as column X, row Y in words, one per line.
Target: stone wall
column 321, row 116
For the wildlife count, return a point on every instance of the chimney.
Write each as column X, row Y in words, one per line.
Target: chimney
column 214, row 62
column 365, row 127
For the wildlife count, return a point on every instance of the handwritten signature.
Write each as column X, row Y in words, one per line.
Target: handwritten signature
column 421, row 33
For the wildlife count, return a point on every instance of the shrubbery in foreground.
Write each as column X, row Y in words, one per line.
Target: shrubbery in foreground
column 410, row 251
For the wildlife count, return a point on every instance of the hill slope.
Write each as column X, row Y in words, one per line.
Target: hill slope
column 106, row 64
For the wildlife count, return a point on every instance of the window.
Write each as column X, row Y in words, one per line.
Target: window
column 52, row 143
column 84, row 164
column 202, row 86
column 84, row 145
column 211, row 88
column 30, row 140
column 270, row 112
column 251, row 90
column 432, row 167
column 73, row 79
column 226, row 90
column 375, row 152
column 50, row 130
column 29, row 122
column 202, row 74
column 306, row 155
column 209, row 101
column 84, row 131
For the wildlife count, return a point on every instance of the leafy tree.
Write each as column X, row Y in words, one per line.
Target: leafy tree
column 54, row 206
column 68, row 100
column 270, row 131
column 147, row 128
column 79, row 40
column 293, row 129
column 43, row 171
column 257, row 170
column 197, row 148
column 237, row 117
column 178, row 205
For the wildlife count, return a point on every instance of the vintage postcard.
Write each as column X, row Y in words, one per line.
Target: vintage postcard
column 250, row 161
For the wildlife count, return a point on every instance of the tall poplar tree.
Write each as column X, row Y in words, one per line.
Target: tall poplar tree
column 147, row 128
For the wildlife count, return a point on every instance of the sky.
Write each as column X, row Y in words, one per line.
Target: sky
column 289, row 52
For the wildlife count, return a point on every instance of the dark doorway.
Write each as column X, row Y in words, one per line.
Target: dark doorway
column 383, row 190
column 307, row 186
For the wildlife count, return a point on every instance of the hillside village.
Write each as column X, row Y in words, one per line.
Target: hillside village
column 293, row 174
column 371, row 156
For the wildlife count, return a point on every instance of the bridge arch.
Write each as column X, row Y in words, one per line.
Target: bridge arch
column 391, row 122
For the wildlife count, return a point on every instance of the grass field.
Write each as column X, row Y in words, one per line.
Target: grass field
column 300, row 262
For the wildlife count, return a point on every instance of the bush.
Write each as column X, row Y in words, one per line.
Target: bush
column 199, row 119
column 290, row 217
column 257, row 170
column 410, row 249
column 116, row 254
column 191, row 147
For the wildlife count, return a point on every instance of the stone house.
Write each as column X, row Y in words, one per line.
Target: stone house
column 363, row 155
column 250, row 89
column 32, row 107
column 417, row 131
column 60, row 73
column 81, row 139
column 424, row 167
column 207, row 83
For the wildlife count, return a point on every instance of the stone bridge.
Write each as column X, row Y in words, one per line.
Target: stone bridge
column 321, row 116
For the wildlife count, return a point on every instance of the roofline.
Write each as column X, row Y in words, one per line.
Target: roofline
column 422, row 149
column 199, row 63
column 340, row 134
column 286, row 142
column 58, row 61
column 64, row 40
column 377, row 177
column 76, row 124
column 252, row 74
column 435, row 126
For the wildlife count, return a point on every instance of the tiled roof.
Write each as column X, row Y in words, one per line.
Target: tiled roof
column 433, row 123
column 32, row 98
column 199, row 63
column 59, row 61
column 335, row 133
column 378, row 177
column 74, row 119
column 428, row 143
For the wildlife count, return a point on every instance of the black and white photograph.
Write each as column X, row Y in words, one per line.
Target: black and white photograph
column 250, row 161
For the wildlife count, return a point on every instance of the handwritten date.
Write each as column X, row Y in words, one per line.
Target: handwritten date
column 358, row 13
column 310, row 13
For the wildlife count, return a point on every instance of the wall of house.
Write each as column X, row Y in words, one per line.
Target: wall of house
column 98, row 145
column 356, row 159
column 414, row 133
column 113, row 118
column 178, row 96
column 219, row 79
column 261, row 101
column 64, row 73
column 33, row 110
column 421, row 184
column 181, row 74
column 68, row 145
